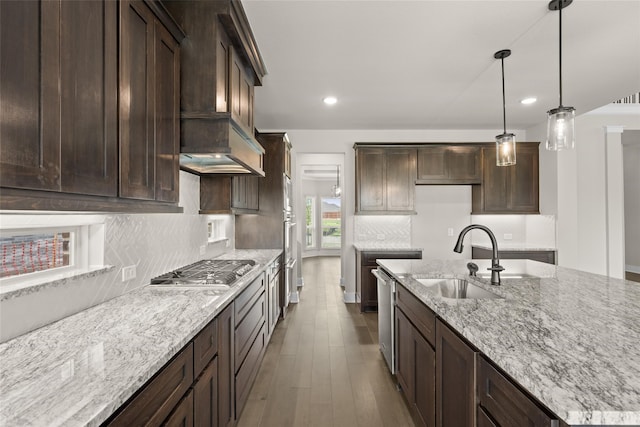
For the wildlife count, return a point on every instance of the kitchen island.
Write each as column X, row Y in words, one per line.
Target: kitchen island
column 569, row 338
column 81, row 369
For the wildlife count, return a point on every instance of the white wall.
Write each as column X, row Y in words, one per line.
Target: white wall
column 155, row 243
column 631, row 155
column 341, row 141
column 579, row 195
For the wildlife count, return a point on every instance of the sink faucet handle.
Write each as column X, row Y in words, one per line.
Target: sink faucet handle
column 496, row 267
column 473, row 268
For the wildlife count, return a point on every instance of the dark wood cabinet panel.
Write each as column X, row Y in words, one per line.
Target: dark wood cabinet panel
column 226, row 373
column 405, row 363
column 245, row 193
column 415, row 370
column 506, row 403
column 509, row 189
column 455, row 379
column 59, row 96
column 182, row 415
column 149, row 93
column 449, row 164
column 536, row 255
column 422, row 317
column 385, row 179
column 366, row 282
column 205, row 397
column 205, row 346
column 160, row 396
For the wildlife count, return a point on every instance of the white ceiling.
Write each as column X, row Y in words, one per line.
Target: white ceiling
column 428, row 64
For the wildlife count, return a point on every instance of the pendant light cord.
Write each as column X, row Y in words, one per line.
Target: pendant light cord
column 504, row 108
column 560, row 50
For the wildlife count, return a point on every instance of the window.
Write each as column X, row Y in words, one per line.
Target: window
column 331, row 223
column 310, row 222
column 36, row 249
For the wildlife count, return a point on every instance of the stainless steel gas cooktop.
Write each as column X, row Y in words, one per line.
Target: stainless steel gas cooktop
column 208, row 272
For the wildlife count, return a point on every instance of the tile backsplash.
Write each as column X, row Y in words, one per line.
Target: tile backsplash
column 390, row 231
column 154, row 243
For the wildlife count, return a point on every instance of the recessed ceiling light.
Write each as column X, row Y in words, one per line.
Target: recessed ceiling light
column 529, row 100
column 330, row 100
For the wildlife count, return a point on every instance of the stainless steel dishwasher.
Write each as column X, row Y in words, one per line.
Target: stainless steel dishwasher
column 386, row 314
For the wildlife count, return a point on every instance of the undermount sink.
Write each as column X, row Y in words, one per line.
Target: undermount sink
column 457, row 289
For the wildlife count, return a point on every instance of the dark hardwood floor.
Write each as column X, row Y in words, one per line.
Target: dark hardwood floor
column 323, row 366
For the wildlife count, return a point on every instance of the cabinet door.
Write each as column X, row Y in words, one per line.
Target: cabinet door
column 401, row 178
column 88, row 106
column 431, row 164
column 405, row 361
column 137, row 151
column 182, row 415
column 464, row 164
column 167, row 119
column 59, row 96
column 226, row 377
column 523, row 181
column 494, row 184
column 369, row 290
column 205, row 397
column 425, row 380
column 455, row 380
column 370, row 180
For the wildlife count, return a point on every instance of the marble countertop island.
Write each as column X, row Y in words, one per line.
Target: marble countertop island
column 81, row 369
column 572, row 339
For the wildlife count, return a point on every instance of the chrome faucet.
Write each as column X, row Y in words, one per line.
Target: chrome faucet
column 496, row 268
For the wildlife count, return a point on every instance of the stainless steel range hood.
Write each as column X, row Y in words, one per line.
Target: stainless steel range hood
column 215, row 144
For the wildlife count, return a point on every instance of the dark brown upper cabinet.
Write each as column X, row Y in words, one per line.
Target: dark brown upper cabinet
column 58, row 82
column 149, row 103
column 508, row 189
column 385, row 179
column 72, row 75
column 449, row 164
column 229, row 194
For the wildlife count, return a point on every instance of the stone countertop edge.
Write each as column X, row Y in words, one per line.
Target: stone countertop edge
column 568, row 337
column 81, row 369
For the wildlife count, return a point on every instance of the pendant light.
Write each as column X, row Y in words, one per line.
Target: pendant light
column 561, row 120
column 337, row 191
column 506, row 142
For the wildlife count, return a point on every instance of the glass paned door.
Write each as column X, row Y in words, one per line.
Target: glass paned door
column 331, row 222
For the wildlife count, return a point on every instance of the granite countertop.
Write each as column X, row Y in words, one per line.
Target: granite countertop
column 81, row 369
column 382, row 247
column 569, row 337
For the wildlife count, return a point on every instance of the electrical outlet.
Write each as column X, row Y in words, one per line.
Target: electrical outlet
column 508, row 236
column 381, row 236
column 203, row 249
column 449, row 231
column 128, row 273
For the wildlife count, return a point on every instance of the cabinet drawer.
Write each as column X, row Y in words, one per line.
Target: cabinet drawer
column 182, row 416
column 247, row 298
column 158, row 398
column 205, row 347
column 505, row 402
column 249, row 370
column 205, row 396
column 247, row 330
column 420, row 315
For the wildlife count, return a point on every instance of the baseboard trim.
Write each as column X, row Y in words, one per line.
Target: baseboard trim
column 349, row 297
column 632, row 268
column 294, row 297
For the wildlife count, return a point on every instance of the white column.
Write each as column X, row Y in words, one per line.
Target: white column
column 615, row 201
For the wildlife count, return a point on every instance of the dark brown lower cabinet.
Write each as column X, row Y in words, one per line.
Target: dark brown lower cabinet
column 205, row 397
column 182, row 415
column 455, row 379
column 415, row 370
column 226, row 378
column 504, row 403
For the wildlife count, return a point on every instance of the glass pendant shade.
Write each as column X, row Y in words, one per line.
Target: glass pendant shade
column 505, row 149
column 561, row 129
